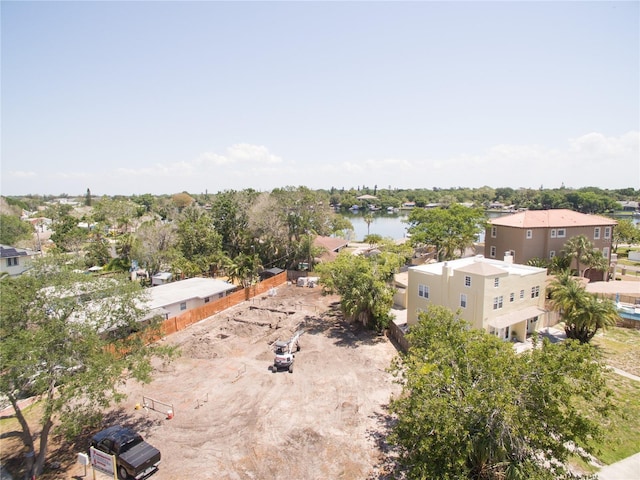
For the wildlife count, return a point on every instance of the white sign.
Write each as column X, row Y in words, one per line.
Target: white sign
column 103, row 461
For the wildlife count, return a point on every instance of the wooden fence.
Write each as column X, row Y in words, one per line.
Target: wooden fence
column 182, row 321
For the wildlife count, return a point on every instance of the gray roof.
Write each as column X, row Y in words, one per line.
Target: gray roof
column 175, row 292
column 11, row 252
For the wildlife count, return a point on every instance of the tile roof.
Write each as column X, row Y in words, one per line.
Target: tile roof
column 551, row 219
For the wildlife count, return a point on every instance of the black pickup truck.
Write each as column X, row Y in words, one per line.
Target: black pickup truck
column 135, row 458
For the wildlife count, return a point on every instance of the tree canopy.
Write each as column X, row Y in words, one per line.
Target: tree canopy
column 450, row 230
column 471, row 408
column 67, row 337
column 583, row 313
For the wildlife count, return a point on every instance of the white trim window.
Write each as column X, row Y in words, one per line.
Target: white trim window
column 492, row 251
column 496, row 282
column 423, row 291
column 12, row 262
column 607, row 233
column 605, row 252
column 535, row 291
column 494, row 232
column 497, row 302
column 596, row 233
column 512, row 297
column 562, row 233
column 529, row 234
column 183, row 306
column 552, row 253
column 467, row 281
column 522, row 294
column 463, row 300
column 553, row 233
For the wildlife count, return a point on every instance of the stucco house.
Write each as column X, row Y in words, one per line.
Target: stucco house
column 543, row 233
column 498, row 296
column 172, row 299
column 15, row 261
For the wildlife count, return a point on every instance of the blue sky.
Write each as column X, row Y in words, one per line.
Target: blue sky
column 162, row 97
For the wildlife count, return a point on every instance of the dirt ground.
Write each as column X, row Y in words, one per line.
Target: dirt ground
column 235, row 419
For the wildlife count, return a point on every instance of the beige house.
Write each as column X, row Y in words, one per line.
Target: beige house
column 498, row 296
column 543, row 233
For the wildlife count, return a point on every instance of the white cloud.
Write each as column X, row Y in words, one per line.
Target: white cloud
column 22, row 174
column 244, row 152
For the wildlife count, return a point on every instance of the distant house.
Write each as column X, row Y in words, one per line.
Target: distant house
column 270, row 272
column 331, row 247
column 629, row 206
column 498, row 296
column 161, row 278
column 15, row 261
column 543, row 233
column 172, row 299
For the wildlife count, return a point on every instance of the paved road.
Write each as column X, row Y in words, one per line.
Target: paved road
column 627, row 469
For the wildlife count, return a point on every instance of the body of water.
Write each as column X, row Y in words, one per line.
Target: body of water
column 393, row 225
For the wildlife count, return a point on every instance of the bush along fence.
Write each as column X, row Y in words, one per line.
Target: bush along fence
column 182, row 321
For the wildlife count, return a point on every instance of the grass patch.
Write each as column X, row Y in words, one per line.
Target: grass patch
column 622, row 428
column 620, row 348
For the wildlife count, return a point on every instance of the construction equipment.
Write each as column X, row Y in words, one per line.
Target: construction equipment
column 285, row 353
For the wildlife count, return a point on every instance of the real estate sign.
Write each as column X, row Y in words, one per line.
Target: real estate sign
column 103, row 462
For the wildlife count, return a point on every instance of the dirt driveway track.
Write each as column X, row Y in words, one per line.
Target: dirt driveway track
column 235, row 419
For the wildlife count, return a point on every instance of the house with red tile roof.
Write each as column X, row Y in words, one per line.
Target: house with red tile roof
column 543, row 233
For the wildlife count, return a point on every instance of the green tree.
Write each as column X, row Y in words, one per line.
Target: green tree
column 66, row 338
column 363, row 285
column 198, row 242
column 244, row 269
column 155, row 246
column 578, row 248
column 12, row 230
column 98, row 252
column 449, row 230
column 471, row 408
column 582, row 312
column 625, row 232
column 67, row 235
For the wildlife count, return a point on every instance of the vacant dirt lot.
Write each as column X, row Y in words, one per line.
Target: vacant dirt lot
column 235, row 419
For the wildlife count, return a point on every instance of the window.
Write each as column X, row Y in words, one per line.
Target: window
column 494, row 232
column 607, row 232
column 492, row 252
column 596, row 233
column 535, row 291
column 423, row 291
column 512, row 297
column 206, row 299
column 529, row 234
column 183, row 306
column 497, row 302
column 12, row 262
column 562, row 233
column 521, row 294
column 552, row 253
column 496, row 282
column 467, row 281
column 605, row 252
column 463, row 300
column 553, row 233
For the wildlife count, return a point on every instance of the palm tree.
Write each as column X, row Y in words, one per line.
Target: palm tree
column 583, row 313
column 597, row 261
column 368, row 219
column 578, row 247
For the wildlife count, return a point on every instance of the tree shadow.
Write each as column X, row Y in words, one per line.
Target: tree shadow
column 387, row 467
column 344, row 333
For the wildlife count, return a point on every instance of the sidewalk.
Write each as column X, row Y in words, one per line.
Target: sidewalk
column 627, row 469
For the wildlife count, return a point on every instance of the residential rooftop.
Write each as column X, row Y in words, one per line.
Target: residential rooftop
column 479, row 265
column 556, row 218
column 171, row 293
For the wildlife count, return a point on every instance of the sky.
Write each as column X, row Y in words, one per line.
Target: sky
column 128, row 98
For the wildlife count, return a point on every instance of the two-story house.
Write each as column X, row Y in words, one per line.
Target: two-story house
column 15, row 261
column 543, row 233
column 498, row 296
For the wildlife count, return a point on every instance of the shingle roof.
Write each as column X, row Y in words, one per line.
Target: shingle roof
column 11, row 252
column 330, row 243
column 551, row 219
